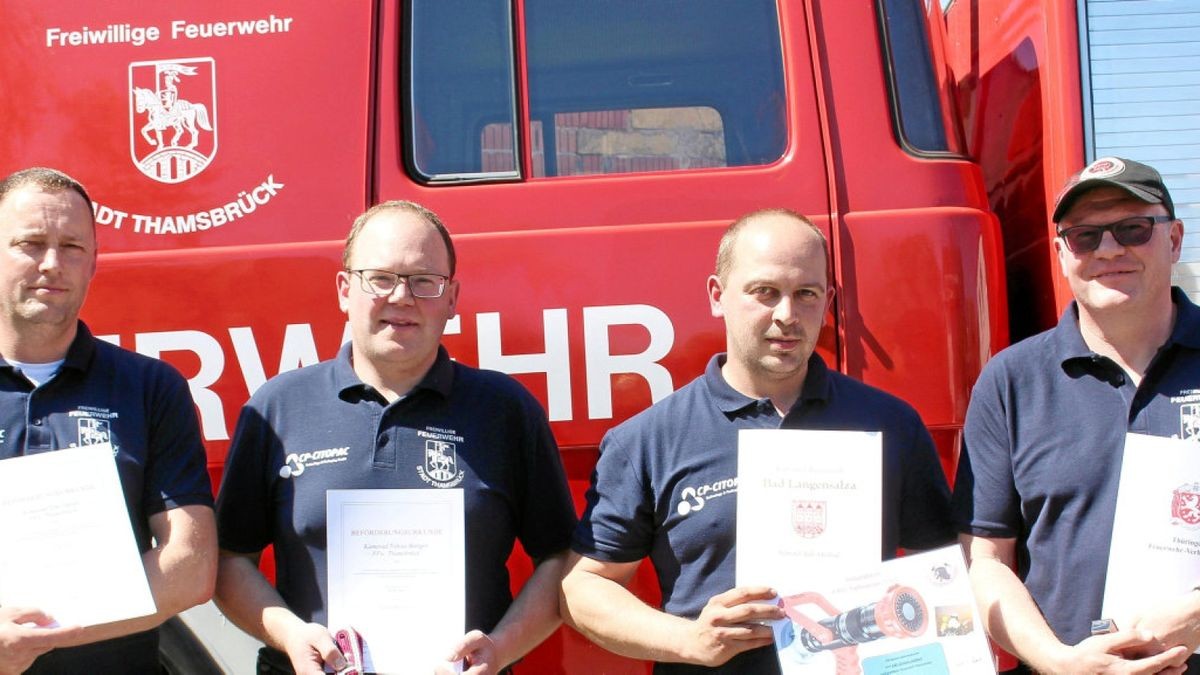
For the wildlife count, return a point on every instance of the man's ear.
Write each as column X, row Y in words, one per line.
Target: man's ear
column 343, row 290
column 1176, row 233
column 715, row 292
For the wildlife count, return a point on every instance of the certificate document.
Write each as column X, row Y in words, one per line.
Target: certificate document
column 397, row 575
column 910, row 615
column 1155, row 550
column 809, row 505
column 69, row 548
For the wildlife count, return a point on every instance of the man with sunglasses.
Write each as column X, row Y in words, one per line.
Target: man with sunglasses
column 1045, row 430
column 365, row 420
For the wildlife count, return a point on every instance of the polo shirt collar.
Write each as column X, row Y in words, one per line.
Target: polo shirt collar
column 439, row 378
column 816, row 387
column 1069, row 344
column 79, row 354
column 1187, row 320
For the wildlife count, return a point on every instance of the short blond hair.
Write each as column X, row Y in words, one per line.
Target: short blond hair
column 407, row 207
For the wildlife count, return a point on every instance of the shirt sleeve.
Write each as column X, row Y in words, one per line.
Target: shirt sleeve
column 176, row 466
column 985, row 499
column 243, row 503
column 618, row 521
column 547, row 512
column 925, row 513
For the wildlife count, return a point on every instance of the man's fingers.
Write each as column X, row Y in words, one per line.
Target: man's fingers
column 751, row 612
column 1166, row 661
column 330, row 654
column 1121, row 640
column 743, row 632
column 743, row 594
column 466, row 645
column 29, row 615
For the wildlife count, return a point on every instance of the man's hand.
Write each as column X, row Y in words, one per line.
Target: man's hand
column 730, row 624
column 1126, row 651
column 479, row 652
column 310, row 648
column 21, row 642
column 1175, row 622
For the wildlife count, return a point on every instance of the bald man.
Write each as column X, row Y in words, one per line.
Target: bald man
column 647, row 498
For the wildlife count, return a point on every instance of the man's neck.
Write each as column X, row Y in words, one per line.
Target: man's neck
column 782, row 393
column 1129, row 339
column 36, row 343
column 392, row 381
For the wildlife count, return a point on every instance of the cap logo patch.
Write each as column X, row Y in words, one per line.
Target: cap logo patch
column 1105, row 167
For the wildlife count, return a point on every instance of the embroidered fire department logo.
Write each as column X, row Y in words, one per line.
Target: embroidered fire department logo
column 173, row 117
column 808, row 518
column 1185, row 505
column 441, row 464
column 1102, row 168
column 93, row 431
column 1189, row 421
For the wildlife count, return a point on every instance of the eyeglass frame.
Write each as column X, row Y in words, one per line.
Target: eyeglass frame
column 1111, row 228
column 369, row 288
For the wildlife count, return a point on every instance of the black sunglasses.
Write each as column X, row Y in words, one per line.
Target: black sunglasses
column 1133, row 231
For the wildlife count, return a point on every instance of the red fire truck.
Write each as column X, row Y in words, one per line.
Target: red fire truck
column 585, row 155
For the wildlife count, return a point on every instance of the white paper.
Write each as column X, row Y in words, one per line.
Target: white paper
column 808, row 505
column 68, row 546
column 397, row 574
column 910, row 615
column 1155, row 550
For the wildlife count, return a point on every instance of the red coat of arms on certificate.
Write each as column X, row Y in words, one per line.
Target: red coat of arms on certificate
column 808, row 518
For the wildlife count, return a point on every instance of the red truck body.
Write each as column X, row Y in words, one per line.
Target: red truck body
column 585, row 233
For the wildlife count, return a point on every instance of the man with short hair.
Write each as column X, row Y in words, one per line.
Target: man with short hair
column 771, row 288
column 1045, row 431
column 389, row 390
column 54, row 378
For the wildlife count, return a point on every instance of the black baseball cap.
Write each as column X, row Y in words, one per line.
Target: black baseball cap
column 1139, row 180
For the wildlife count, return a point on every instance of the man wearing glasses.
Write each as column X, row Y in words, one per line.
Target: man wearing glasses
column 1046, row 425
column 369, row 415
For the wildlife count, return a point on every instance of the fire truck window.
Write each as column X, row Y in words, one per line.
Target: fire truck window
column 638, row 85
column 614, row 86
column 460, row 80
column 918, row 106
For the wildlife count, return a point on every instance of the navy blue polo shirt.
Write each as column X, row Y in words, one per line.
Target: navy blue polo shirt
column 105, row 394
column 321, row 428
column 1044, row 438
column 665, row 485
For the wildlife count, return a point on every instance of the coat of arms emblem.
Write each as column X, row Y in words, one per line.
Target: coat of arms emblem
column 1185, row 505
column 173, row 117
column 441, row 460
column 93, row 431
column 1189, row 421
column 808, row 518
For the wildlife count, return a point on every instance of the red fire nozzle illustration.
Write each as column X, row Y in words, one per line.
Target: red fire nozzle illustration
column 901, row 613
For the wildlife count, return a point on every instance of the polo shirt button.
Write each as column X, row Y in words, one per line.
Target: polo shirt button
column 37, row 421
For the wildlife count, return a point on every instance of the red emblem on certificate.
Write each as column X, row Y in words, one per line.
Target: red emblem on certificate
column 808, row 518
column 1185, row 504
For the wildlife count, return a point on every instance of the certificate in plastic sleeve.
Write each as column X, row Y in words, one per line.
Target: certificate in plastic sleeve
column 1155, row 549
column 396, row 563
column 69, row 548
column 808, row 505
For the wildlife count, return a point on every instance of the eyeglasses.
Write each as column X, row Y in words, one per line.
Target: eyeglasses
column 1133, row 231
column 382, row 283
